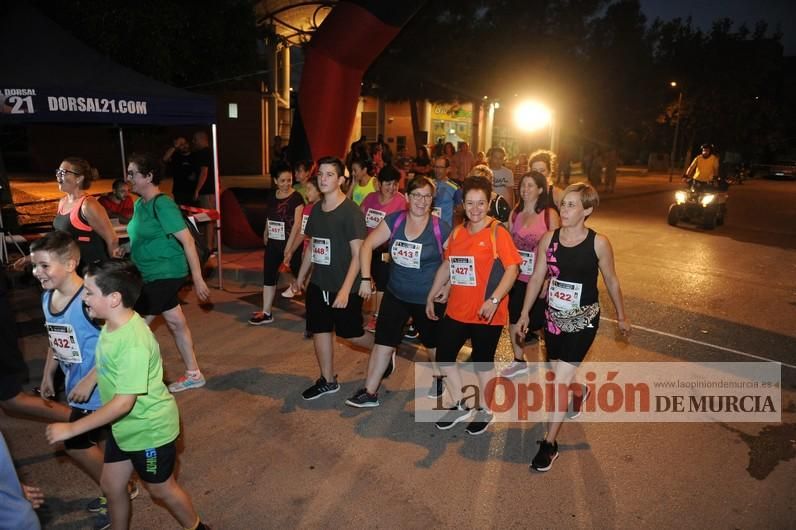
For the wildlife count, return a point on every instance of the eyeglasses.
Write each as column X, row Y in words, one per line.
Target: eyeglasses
column 421, row 197
column 61, row 172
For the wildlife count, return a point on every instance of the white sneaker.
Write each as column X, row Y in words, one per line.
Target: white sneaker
column 288, row 293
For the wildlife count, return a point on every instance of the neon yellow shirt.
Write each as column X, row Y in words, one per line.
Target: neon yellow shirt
column 128, row 362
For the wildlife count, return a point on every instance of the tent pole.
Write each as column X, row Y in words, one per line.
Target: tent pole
column 218, row 207
column 121, row 147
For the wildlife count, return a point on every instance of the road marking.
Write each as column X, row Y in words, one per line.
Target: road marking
column 702, row 343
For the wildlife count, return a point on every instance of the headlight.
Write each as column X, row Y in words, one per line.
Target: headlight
column 680, row 197
column 707, row 199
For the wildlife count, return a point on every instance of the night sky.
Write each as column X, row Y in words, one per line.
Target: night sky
column 704, row 12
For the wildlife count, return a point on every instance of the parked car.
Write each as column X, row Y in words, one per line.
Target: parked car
column 782, row 168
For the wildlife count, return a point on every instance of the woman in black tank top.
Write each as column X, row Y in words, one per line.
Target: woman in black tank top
column 574, row 255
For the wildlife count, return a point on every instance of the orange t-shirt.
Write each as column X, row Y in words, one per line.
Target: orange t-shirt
column 467, row 251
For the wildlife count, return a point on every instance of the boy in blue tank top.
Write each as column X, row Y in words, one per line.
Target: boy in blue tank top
column 73, row 338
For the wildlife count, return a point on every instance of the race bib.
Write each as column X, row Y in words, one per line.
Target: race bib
column 304, row 218
column 406, row 254
column 526, row 267
column 276, row 230
column 374, row 217
column 321, row 250
column 63, row 342
column 564, row 296
column 462, row 270
column 436, row 211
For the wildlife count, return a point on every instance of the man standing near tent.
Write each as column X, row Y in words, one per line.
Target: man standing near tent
column 205, row 191
column 179, row 165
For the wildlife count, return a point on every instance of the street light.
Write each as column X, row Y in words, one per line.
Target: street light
column 673, row 84
column 531, row 116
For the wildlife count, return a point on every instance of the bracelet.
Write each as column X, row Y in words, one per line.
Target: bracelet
column 366, row 279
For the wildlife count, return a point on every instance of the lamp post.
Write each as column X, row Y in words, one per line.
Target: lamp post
column 676, row 130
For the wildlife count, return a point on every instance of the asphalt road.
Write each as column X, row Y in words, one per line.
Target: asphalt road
column 255, row 455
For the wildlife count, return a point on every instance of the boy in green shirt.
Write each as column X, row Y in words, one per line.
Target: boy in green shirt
column 143, row 414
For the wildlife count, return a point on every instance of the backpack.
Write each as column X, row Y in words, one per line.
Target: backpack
column 198, row 238
column 400, row 218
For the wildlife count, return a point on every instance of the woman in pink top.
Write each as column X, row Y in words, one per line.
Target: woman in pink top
column 376, row 206
column 528, row 222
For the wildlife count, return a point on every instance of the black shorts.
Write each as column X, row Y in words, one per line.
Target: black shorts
column 394, row 314
column 10, row 386
column 323, row 318
column 272, row 259
column 154, row 466
column 87, row 439
column 379, row 270
column 158, row 296
column 571, row 347
column 453, row 334
column 516, row 299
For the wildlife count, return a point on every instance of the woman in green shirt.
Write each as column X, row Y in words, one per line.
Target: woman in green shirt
column 163, row 250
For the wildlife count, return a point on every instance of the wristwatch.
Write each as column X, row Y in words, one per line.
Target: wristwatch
column 495, row 301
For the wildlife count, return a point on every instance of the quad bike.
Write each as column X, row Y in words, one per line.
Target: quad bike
column 700, row 204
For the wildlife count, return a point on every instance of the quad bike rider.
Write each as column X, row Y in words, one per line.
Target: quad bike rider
column 705, row 200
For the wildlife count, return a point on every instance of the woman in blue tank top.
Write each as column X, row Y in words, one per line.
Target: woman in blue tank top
column 415, row 239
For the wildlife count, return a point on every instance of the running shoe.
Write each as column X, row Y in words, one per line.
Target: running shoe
column 187, row 382
column 259, row 318
column 371, row 325
column 577, row 403
column 320, row 388
column 437, row 388
column 101, row 502
column 455, row 414
column 548, row 452
column 390, row 367
column 515, row 368
column 362, row 399
column 102, row 520
column 411, row 333
column 289, row 292
column 481, row 421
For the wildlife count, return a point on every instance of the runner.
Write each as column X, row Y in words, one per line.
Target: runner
column 337, row 229
column 529, row 221
column 163, row 249
column 574, row 255
column 297, row 238
column 546, row 162
column 376, row 206
column 415, row 241
column 280, row 207
column 73, row 338
column 481, row 264
column 143, row 416
column 364, row 183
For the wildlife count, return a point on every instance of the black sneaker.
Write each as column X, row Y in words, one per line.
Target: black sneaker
column 362, row 399
column 320, row 388
column 390, row 367
column 437, row 387
column 411, row 333
column 577, row 403
column 548, row 452
column 455, row 414
column 481, row 421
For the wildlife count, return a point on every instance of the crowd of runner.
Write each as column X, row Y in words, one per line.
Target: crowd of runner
column 450, row 260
